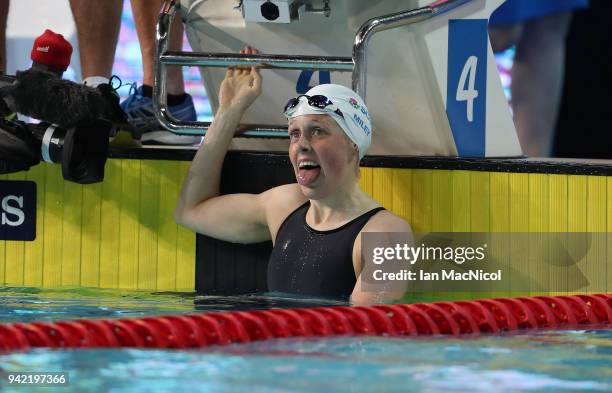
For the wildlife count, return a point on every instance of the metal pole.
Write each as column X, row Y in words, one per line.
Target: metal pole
column 259, row 60
column 386, row 22
column 160, row 104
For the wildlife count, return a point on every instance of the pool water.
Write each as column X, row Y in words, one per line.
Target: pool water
column 34, row 304
column 539, row 361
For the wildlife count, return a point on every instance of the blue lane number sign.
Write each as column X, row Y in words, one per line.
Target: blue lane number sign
column 17, row 210
column 467, row 84
column 465, row 89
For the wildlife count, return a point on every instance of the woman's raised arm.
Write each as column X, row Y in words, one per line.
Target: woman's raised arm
column 238, row 217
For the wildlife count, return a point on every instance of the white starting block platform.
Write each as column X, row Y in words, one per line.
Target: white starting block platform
column 432, row 87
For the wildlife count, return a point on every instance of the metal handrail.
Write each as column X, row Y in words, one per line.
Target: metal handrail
column 261, row 60
column 386, row 22
column 357, row 64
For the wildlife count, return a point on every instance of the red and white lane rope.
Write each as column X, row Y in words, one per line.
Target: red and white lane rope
column 220, row 328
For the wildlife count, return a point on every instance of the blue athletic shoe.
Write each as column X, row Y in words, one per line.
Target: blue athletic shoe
column 141, row 116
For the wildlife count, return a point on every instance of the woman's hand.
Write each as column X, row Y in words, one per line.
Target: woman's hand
column 241, row 86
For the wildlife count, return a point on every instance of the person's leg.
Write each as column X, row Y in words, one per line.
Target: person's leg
column 139, row 106
column 97, row 23
column 537, row 75
column 4, row 9
column 145, row 18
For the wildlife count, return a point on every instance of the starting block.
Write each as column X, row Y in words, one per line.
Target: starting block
column 426, row 70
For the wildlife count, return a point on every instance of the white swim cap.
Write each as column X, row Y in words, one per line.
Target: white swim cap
column 355, row 120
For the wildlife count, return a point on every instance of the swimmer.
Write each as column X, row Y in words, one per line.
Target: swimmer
column 314, row 224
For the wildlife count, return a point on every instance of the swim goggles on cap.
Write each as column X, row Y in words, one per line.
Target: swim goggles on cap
column 316, row 101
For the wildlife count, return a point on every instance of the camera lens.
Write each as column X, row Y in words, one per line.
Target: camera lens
column 270, row 10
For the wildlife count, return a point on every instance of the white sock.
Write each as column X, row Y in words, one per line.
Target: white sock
column 94, row 81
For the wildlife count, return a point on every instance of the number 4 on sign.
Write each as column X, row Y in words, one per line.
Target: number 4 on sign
column 468, row 74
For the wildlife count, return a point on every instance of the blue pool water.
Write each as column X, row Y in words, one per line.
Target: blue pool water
column 33, row 304
column 542, row 361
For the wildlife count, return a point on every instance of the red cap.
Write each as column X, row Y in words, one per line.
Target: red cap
column 52, row 49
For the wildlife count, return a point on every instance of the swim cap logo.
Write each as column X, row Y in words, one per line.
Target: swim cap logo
column 359, row 121
column 365, row 112
column 355, row 104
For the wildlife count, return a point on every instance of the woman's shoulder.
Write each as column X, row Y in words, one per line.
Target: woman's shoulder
column 385, row 221
column 285, row 196
column 279, row 203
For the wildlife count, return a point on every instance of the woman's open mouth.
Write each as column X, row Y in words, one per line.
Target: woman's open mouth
column 308, row 172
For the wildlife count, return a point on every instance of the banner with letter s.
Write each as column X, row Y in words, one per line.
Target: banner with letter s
column 17, row 210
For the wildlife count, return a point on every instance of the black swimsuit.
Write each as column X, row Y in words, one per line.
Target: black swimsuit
column 310, row 262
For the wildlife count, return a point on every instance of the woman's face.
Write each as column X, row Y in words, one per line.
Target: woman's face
column 321, row 155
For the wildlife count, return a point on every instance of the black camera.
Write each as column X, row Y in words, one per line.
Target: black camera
column 81, row 150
